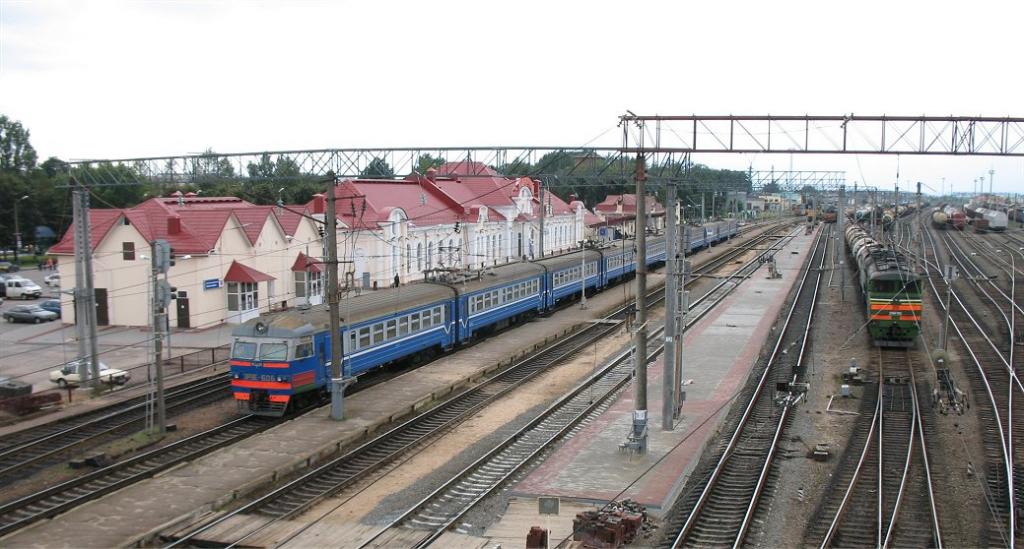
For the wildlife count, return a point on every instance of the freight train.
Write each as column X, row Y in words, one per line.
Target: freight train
column 994, row 220
column 281, row 360
column 891, row 289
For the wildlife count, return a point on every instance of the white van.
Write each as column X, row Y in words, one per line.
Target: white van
column 23, row 288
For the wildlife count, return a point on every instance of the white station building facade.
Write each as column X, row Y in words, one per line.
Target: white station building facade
column 235, row 260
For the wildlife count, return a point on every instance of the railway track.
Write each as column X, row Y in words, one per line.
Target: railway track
column 889, row 499
column 991, row 380
column 719, row 508
column 298, row 495
column 36, row 449
column 57, row 499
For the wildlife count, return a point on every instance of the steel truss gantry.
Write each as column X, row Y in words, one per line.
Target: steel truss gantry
column 846, row 134
column 665, row 141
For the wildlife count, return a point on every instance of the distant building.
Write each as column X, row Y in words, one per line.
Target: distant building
column 618, row 213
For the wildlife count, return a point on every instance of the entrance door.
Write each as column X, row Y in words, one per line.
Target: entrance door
column 102, row 313
column 183, row 320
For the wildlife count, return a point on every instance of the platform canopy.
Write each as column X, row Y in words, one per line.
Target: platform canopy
column 242, row 273
column 304, row 263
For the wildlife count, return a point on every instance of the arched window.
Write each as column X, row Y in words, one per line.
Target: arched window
column 419, row 256
column 430, row 255
column 408, row 258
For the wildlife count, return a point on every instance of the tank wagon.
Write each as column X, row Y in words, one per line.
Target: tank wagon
column 939, row 219
column 281, row 360
column 955, row 217
column 891, row 289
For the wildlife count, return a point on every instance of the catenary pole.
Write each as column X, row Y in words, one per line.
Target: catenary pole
column 337, row 374
column 640, row 338
column 668, row 396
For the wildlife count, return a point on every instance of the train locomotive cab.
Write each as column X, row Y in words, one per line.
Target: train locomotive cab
column 274, row 368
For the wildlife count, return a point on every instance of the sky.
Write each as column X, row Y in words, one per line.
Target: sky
column 95, row 79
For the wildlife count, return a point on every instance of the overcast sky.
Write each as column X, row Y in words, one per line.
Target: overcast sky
column 127, row 79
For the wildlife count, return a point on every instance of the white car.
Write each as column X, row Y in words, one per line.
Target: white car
column 23, row 288
column 52, row 280
column 68, row 375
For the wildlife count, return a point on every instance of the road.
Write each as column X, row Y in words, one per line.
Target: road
column 28, row 352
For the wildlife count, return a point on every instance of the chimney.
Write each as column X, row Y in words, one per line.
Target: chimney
column 431, row 173
column 319, row 204
column 173, row 224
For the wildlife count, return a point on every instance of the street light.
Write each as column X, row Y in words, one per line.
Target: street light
column 17, row 230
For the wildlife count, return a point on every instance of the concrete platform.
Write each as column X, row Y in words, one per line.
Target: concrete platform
column 143, row 510
column 718, row 355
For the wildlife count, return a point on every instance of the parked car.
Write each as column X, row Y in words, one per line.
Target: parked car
column 8, row 267
column 52, row 280
column 28, row 313
column 23, row 288
column 3, row 283
column 52, row 305
column 68, row 374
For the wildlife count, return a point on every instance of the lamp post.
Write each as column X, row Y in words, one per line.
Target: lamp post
column 17, row 229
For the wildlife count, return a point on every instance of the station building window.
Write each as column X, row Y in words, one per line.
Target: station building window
column 243, row 296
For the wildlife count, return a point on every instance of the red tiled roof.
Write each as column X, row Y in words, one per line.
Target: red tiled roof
column 100, row 222
column 290, row 217
column 242, row 273
column 610, row 204
column 193, row 225
column 253, row 219
column 305, row 263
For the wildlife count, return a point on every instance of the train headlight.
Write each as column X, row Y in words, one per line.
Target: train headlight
column 280, row 379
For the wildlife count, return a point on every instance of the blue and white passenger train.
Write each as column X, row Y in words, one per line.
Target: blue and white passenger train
column 282, row 359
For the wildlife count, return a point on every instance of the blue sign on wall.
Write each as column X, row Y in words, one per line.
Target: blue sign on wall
column 211, row 284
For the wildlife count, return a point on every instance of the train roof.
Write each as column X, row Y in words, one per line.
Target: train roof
column 496, row 276
column 888, row 264
column 568, row 260
column 371, row 304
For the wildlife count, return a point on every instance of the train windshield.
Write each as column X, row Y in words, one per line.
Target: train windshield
column 244, row 350
column 273, row 351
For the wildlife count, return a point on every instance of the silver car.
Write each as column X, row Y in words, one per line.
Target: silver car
column 29, row 313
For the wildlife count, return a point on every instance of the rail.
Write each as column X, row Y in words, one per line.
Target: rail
column 737, row 532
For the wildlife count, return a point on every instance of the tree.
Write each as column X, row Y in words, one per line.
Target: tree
column 378, row 168
column 427, row 161
column 16, row 153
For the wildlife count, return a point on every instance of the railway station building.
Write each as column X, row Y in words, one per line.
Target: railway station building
column 471, row 217
column 236, row 260
column 617, row 215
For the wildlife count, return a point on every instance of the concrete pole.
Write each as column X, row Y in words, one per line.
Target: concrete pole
column 337, row 374
column 81, row 242
column 640, row 337
column 668, row 395
column 841, row 222
column 85, row 309
column 158, row 324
